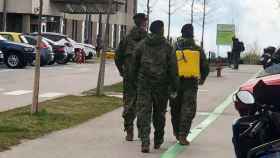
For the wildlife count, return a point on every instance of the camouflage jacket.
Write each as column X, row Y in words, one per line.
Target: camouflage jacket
column 124, row 58
column 189, row 43
column 155, row 63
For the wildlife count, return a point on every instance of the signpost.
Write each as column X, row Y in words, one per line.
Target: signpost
column 225, row 32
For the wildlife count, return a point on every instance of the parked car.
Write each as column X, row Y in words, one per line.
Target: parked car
column 60, row 51
column 46, row 51
column 16, row 55
column 270, row 76
column 1, row 57
column 61, row 40
column 14, row 36
column 89, row 49
column 110, row 54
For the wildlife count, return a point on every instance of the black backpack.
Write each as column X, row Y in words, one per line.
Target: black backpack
column 241, row 46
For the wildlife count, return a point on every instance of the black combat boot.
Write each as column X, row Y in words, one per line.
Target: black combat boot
column 145, row 148
column 158, row 143
column 183, row 140
column 129, row 134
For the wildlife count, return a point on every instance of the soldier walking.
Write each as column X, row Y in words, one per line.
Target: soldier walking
column 156, row 71
column 193, row 70
column 124, row 61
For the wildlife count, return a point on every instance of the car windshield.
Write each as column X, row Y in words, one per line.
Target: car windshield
column 272, row 70
column 70, row 40
column 2, row 38
column 23, row 39
column 50, row 41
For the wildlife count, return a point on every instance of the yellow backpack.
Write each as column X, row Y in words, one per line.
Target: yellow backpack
column 188, row 63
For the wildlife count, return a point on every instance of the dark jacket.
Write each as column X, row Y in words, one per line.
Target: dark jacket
column 156, row 64
column 125, row 57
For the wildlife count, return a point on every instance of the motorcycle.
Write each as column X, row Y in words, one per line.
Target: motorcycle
column 263, row 125
column 270, row 57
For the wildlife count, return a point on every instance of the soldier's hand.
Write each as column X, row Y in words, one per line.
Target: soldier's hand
column 173, row 95
column 121, row 73
column 201, row 82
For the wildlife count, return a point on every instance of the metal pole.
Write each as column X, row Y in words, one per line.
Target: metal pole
column 169, row 19
column 101, row 75
column 4, row 28
column 36, row 89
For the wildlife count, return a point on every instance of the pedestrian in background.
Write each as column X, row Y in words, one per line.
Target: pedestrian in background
column 156, row 71
column 237, row 48
column 98, row 45
column 229, row 57
column 193, row 69
column 124, row 60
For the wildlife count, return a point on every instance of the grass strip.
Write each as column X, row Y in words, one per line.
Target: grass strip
column 115, row 88
column 18, row 125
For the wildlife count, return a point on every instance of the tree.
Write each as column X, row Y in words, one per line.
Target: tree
column 101, row 76
column 4, row 27
column 36, row 89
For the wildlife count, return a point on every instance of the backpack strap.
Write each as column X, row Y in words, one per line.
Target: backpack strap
column 182, row 51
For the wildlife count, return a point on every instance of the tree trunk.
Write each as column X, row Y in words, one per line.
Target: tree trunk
column 4, row 28
column 101, row 75
column 169, row 19
column 203, row 24
column 36, row 89
column 192, row 10
column 148, row 13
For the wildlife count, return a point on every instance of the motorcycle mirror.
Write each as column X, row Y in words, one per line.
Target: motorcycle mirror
column 245, row 97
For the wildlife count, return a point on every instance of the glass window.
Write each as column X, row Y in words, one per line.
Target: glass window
column 31, row 41
column 272, row 70
column 8, row 37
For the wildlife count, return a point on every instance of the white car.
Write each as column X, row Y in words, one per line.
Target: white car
column 89, row 49
column 1, row 57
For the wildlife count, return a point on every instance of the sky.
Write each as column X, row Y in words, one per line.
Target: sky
column 256, row 21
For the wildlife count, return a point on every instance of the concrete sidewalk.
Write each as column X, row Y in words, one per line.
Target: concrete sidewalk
column 104, row 137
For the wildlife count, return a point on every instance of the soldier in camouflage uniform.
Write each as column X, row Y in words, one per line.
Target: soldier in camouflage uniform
column 183, row 107
column 156, row 70
column 124, row 61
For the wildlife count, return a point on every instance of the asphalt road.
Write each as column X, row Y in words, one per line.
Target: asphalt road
column 57, row 80
column 104, row 136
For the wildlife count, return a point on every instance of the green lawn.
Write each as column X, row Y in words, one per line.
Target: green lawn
column 116, row 88
column 17, row 125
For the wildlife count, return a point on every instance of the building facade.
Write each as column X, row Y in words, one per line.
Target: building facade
column 23, row 17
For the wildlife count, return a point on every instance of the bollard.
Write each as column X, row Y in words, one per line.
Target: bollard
column 219, row 71
column 219, row 68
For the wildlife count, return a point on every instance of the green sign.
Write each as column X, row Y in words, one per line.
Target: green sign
column 225, row 32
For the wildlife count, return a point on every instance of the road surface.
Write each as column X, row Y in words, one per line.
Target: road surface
column 104, row 137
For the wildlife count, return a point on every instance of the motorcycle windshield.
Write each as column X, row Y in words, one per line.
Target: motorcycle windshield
column 270, row 155
column 271, row 70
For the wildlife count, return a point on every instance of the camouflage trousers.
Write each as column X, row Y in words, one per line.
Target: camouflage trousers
column 183, row 107
column 151, row 107
column 129, row 100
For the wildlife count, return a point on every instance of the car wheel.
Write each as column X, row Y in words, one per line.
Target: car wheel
column 63, row 61
column 51, row 62
column 90, row 55
column 14, row 60
column 43, row 62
